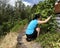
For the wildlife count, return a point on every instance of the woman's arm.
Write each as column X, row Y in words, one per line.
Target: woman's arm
column 41, row 22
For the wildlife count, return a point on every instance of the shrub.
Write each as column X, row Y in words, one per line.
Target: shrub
column 49, row 40
column 46, row 8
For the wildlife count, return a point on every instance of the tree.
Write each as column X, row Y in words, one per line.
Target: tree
column 4, row 1
column 10, row 16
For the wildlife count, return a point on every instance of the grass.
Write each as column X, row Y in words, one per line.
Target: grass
column 15, row 28
column 9, row 41
column 19, row 25
column 49, row 40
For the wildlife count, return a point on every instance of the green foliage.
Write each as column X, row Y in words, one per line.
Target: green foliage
column 46, row 8
column 12, row 16
column 18, row 25
column 49, row 40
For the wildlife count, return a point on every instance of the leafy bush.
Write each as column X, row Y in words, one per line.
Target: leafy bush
column 25, row 21
column 46, row 8
column 49, row 40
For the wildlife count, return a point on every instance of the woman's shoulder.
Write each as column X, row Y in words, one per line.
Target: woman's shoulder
column 35, row 20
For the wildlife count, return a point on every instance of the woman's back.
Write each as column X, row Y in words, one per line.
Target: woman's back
column 31, row 26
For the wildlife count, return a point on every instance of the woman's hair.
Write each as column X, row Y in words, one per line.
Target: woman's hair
column 37, row 16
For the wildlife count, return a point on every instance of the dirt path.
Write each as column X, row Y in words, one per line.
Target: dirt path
column 22, row 43
column 31, row 44
column 9, row 41
column 18, row 40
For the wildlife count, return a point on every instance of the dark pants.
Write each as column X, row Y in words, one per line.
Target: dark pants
column 31, row 36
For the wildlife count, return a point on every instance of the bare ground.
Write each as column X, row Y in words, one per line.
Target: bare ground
column 9, row 41
column 18, row 40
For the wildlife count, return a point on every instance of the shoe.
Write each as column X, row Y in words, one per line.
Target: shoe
column 28, row 39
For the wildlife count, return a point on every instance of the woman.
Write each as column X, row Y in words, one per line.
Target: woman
column 32, row 30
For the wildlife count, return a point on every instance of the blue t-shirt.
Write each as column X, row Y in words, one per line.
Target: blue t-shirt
column 31, row 27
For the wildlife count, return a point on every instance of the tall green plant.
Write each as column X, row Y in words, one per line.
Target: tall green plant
column 46, row 8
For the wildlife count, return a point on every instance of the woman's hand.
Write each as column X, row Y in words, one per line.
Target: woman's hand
column 45, row 21
column 50, row 16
